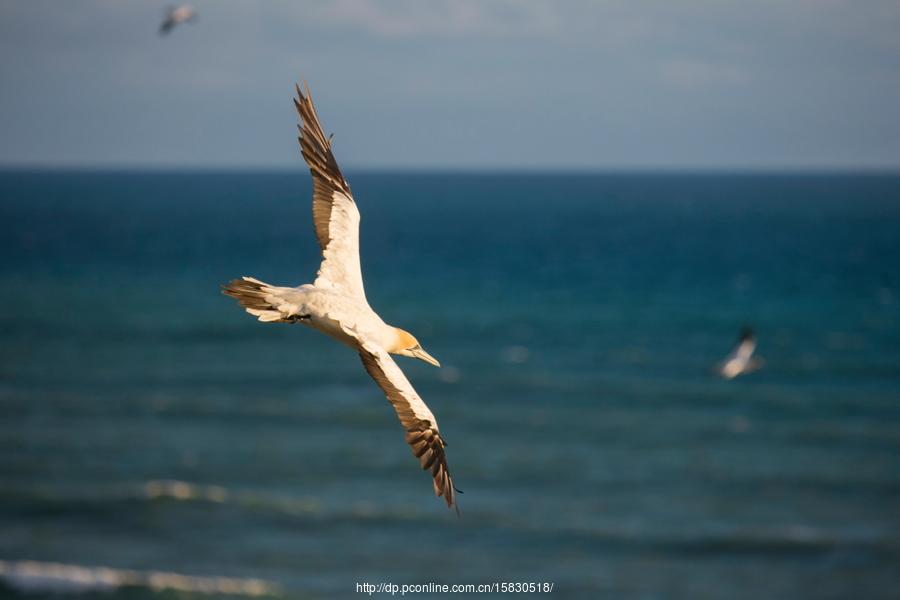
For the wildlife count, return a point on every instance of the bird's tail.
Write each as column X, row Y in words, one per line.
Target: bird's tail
column 265, row 302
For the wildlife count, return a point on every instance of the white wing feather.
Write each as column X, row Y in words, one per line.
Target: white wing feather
column 335, row 216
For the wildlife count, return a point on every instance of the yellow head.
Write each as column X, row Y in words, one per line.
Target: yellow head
column 407, row 345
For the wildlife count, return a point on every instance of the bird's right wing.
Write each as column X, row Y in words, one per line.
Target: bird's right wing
column 422, row 432
column 335, row 216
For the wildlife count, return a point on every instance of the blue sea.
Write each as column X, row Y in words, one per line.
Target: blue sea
column 156, row 441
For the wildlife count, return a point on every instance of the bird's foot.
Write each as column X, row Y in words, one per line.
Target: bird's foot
column 298, row 318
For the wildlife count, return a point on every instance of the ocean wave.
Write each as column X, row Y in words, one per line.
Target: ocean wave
column 174, row 491
column 183, row 491
column 42, row 577
column 267, row 502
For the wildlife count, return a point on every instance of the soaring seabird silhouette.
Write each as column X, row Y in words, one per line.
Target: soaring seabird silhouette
column 741, row 359
column 177, row 15
column 335, row 303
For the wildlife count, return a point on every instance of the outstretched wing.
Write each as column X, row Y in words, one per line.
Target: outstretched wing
column 745, row 349
column 422, row 432
column 335, row 215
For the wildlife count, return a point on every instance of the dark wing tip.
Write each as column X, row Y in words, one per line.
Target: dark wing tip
column 428, row 446
column 316, row 145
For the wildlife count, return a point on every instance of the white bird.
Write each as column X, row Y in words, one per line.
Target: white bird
column 177, row 15
column 335, row 303
column 741, row 359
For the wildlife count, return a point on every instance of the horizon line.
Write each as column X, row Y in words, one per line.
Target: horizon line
column 461, row 170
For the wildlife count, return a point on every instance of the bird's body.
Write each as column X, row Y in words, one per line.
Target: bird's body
column 176, row 16
column 740, row 360
column 335, row 314
column 336, row 305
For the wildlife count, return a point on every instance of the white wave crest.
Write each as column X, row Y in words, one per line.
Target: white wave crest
column 34, row 577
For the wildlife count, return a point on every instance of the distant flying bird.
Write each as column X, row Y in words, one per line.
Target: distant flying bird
column 741, row 359
column 177, row 15
column 335, row 303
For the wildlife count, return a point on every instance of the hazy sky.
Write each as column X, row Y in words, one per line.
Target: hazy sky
column 449, row 84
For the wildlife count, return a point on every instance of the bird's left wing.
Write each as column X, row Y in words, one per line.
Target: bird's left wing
column 335, row 216
column 422, row 432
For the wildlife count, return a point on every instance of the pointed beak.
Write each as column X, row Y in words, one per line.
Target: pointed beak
column 422, row 355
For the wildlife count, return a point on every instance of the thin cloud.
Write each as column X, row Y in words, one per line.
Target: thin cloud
column 449, row 18
column 697, row 73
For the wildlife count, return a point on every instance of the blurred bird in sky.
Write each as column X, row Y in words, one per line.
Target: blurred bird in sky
column 335, row 303
column 741, row 359
column 176, row 16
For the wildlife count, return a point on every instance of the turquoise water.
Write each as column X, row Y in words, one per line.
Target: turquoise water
column 149, row 424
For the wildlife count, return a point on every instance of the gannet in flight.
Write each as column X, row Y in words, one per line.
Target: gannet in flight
column 180, row 14
column 335, row 303
column 741, row 359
